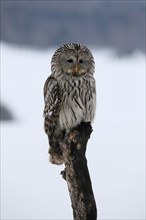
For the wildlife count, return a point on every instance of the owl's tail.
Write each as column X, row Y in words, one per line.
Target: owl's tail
column 55, row 152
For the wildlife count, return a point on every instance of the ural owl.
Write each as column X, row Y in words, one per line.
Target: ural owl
column 69, row 94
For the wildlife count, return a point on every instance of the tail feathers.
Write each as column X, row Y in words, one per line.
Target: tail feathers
column 55, row 156
column 55, row 152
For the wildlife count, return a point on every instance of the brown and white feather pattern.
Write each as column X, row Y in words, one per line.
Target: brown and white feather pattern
column 52, row 94
column 68, row 100
column 78, row 101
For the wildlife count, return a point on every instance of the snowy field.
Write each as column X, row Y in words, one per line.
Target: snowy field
column 32, row 188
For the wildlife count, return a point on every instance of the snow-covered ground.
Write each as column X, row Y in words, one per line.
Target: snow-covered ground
column 32, row 188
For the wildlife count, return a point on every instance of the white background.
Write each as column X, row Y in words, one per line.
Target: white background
column 32, row 188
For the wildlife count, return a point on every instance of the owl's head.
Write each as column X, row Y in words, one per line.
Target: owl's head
column 73, row 59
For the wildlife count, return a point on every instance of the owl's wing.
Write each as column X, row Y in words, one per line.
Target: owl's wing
column 52, row 99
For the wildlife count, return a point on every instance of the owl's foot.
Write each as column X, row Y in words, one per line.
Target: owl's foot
column 55, row 156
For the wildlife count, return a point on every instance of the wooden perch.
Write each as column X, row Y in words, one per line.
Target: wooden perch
column 76, row 173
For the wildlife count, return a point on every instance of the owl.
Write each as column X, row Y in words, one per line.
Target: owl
column 69, row 94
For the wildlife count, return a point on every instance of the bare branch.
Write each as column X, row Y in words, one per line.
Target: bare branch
column 76, row 173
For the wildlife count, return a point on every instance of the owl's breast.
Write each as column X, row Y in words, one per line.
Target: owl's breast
column 71, row 113
column 78, row 102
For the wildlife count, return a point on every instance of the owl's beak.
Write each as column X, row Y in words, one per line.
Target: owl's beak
column 76, row 69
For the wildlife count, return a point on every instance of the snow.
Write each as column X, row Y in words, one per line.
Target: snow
column 31, row 187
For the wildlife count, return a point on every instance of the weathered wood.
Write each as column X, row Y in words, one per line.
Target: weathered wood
column 76, row 173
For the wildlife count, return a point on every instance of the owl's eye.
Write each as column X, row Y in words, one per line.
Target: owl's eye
column 80, row 61
column 70, row 61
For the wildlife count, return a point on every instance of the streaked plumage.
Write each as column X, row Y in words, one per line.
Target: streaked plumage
column 69, row 94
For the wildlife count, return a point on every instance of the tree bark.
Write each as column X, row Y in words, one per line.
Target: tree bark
column 76, row 173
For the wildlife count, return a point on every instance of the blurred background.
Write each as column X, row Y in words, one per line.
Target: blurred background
column 31, row 31
column 41, row 24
